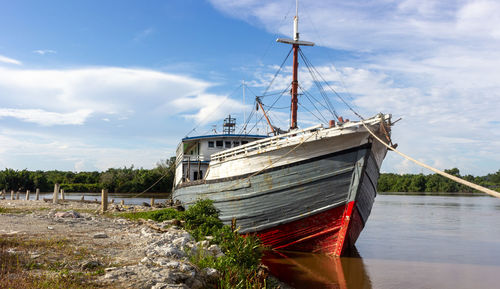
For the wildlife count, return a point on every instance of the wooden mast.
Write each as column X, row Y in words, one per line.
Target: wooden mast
column 295, row 83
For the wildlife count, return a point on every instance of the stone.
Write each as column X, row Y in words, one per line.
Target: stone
column 215, row 251
column 100, row 236
column 68, row 214
column 211, row 272
column 91, row 264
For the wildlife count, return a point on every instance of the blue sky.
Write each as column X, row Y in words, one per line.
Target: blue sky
column 88, row 85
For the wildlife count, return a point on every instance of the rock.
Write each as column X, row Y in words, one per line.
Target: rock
column 172, row 264
column 100, row 236
column 211, row 272
column 182, row 241
column 50, row 228
column 146, row 204
column 91, row 264
column 215, row 251
column 203, row 244
column 68, row 214
column 173, row 252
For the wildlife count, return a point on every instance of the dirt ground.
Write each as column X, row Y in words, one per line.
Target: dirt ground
column 72, row 238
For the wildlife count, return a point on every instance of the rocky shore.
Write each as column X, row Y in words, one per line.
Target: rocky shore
column 113, row 252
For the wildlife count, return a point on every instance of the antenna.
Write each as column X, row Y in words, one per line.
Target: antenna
column 244, row 111
column 296, row 22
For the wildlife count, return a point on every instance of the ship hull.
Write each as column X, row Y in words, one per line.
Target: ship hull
column 317, row 204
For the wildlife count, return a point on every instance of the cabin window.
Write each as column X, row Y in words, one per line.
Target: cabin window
column 228, row 144
column 244, row 142
column 236, row 143
column 210, row 144
column 219, row 143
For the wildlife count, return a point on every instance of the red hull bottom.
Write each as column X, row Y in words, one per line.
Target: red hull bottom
column 328, row 232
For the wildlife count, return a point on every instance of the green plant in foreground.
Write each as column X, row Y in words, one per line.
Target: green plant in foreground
column 239, row 266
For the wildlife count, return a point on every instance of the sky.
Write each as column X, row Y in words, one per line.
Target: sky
column 90, row 85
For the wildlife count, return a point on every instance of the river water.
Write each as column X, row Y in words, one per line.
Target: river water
column 117, row 197
column 409, row 242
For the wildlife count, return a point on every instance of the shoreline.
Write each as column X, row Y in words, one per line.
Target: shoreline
column 72, row 241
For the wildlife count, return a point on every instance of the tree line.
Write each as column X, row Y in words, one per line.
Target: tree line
column 121, row 180
column 160, row 179
column 434, row 183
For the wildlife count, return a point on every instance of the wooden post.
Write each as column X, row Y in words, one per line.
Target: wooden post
column 3, row 194
column 104, row 200
column 27, row 195
column 152, row 202
column 62, row 194
column 56, row 193
column 199, row 169
column 12, row 194
column 17, row 195
column 37, row 194
column 83, row 197
column 122, row 202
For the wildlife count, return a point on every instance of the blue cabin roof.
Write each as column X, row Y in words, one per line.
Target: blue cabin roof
column 225, row 136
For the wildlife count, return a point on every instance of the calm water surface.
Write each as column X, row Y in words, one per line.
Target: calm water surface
column 96, row 196
column 409, row 242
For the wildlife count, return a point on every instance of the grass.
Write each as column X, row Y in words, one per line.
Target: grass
column 13, row 211
column 239, row 267
column 19, row 270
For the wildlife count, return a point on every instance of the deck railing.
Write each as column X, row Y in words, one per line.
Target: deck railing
column 260, row 144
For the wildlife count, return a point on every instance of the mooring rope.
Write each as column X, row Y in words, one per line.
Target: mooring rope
column 444, row 174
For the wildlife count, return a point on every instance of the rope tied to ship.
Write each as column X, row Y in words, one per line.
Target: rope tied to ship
column 442, row 173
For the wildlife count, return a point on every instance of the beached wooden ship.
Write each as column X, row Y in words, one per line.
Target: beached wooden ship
column 306, row 189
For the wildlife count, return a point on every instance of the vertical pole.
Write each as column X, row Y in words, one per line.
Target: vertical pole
column 189, row 170
column 56, row 192
column 12, row 194
column 27, row 195
column 17, row 195
column 104, row 200
column 199, row 170
column 294, row 86
column 122, row 202
column 37, row 194
column 244, row 111
column 152, row 202
column 62, row 194
column 83, row 197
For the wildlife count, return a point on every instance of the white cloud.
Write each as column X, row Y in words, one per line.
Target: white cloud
column 435, row 63
column 75, row 93
column 47, row 118
column 99, row 117
column 207, row 107
column 143, row 34
column 8, row 60
column 44, row 51
column 34, row 150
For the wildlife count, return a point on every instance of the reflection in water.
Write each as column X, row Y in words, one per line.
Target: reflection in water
column 307, row 270
column 414, row 242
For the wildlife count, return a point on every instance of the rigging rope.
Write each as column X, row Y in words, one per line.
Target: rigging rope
column 444, row 174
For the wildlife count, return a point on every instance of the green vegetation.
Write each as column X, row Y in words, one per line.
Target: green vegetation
column 123, row 180
column 434, row 183
column 19, row 270
column 239, row 267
